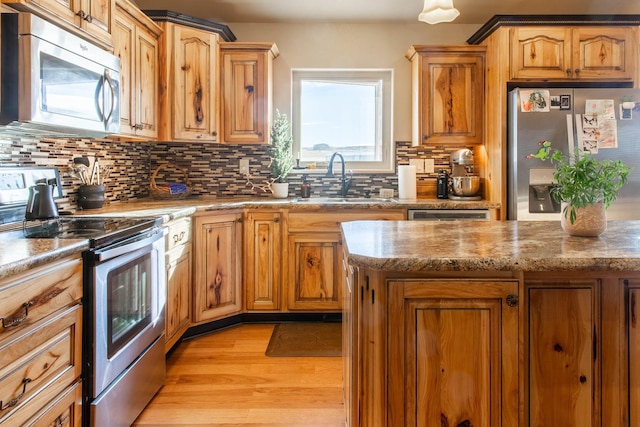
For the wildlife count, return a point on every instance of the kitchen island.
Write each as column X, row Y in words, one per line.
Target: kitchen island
column 490, row 324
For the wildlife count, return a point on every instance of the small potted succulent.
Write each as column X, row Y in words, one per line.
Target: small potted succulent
column 281, row 155
column 585, row 186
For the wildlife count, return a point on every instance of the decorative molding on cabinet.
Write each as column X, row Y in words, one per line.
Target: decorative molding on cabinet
column 573, row 20
column 222, row 30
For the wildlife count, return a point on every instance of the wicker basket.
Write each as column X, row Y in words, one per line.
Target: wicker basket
column 162, row 190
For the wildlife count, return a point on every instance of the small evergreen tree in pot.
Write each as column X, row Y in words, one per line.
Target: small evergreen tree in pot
column 281, row 148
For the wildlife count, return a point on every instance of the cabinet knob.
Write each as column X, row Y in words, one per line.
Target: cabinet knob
column 568, row 71
column 214, row 133
column 276, row 219
column 577, row 71
column 512, row 300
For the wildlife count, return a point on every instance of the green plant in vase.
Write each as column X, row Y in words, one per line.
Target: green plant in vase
column 582, row 180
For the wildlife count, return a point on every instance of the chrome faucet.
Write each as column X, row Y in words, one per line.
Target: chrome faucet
column 346, row 183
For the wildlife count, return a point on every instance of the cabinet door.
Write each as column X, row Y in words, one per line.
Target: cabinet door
column 98, row 20
column 244, row 96
column 313, row 281
column 263, row 260
column 453, row 353
column 177, row 313
column 124, row 34
column 562, row 364
column 145, row 91
column 218, row 263
column 634, row 351
column 603, row 53
column 541, row 53
column 194, row 55
column 449, row 107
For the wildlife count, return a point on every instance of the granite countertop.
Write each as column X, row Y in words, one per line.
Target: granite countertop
column 19, row 254
column 413, row 246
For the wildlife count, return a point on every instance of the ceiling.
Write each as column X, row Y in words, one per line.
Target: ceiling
column 371, row 11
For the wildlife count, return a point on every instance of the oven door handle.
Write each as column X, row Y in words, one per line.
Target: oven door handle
column 129, row 245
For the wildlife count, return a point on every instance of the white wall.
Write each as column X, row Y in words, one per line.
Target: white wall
column 351, row 46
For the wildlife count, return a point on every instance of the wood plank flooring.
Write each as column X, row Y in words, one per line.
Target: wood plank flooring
column 224, row 379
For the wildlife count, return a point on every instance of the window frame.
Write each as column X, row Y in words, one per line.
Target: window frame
column 385, row 125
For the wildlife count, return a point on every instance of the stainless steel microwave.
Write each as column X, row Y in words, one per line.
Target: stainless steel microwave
column 55, row 83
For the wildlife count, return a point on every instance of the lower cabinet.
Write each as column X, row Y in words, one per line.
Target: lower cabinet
column 217, row 266
column 178, row 268
column 41, row 345
column 453, row 352
column 313, row 281
column 263, row 260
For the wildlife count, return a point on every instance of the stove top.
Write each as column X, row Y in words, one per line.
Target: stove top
column 99, row 230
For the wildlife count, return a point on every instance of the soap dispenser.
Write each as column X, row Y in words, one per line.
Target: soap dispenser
column 305, row 188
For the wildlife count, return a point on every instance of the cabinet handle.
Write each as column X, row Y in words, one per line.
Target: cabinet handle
column 59, row 422
column 276, row 219
column 178, row 237
column 214, row 133
column 512, row 300
column 425, row 137
column 13, row 402
column 260, row 134
column 88, row 18
column 81, row 13
column 568, row 71
column 240, row 220
column 577, row 71
column 17, row 318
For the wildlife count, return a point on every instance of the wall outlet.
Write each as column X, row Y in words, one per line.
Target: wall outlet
column 429, row 166
column 386, row 193
column 244, row 166
column 418, row 163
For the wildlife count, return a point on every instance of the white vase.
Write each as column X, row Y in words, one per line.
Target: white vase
column 280, row 190
column 590, row 221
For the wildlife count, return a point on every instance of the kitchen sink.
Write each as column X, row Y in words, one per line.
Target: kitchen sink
column 345, row 200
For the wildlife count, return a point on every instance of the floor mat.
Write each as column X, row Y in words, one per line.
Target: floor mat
column 306, row 339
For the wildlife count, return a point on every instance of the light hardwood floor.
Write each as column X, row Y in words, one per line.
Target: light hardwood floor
column 224, row 379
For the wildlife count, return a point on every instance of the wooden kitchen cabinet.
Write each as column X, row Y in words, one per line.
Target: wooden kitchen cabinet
column 90, row 19
column 350, row 342
column 448, row 94
column 41, row 342
column 263, row 255
column 217, row 266
column 311, row 282
column 178, row 276
column 135, row 42
column 437, row 325
column 574, row 53
column 246, row 95
column 633, row 317
column 188, row 91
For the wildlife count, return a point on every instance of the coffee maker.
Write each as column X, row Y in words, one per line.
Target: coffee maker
column 464, row 183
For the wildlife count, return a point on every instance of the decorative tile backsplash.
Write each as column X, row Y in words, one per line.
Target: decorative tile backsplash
column 212, row 169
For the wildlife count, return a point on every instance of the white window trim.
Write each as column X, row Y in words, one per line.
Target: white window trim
column 387, row 164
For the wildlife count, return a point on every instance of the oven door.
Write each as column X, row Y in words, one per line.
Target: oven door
column 127, row 306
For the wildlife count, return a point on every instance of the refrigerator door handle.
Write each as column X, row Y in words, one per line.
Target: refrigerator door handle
column 570, row 136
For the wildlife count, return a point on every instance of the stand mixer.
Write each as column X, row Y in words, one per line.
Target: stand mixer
column 464, row 183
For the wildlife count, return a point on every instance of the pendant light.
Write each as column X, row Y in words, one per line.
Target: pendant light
column 436, row 11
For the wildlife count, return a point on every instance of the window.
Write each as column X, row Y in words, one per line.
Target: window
column 348, row 111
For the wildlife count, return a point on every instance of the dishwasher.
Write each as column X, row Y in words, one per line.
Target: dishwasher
column 447, row 214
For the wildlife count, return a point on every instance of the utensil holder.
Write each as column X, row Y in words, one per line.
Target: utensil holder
column 91, row 196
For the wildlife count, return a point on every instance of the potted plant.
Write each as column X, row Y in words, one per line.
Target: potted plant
column 281, row 154
column 585, row 186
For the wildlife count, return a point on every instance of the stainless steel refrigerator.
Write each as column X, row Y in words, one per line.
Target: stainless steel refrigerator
column 605, row 121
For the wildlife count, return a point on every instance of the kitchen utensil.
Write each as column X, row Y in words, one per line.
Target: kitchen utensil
column 465, row 185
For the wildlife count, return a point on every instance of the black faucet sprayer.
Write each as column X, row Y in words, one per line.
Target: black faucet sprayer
column 346, row 182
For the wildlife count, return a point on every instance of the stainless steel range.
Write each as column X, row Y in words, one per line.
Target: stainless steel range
column 124, row 299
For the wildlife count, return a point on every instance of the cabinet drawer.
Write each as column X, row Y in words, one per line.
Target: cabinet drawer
column 37, row 366
column 330, row 221
column 29, row 297
column 66, row 411
column 179, row 233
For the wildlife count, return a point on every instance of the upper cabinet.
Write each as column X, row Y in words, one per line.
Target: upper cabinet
column 188, row 90
column 91, row 19
column 448, row 94
column 574, row 53
column 188, row 84
column 135, row 42
column 246, row 96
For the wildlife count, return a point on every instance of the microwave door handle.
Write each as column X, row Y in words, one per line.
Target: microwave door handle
column 97, row 98
column 112, row 88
